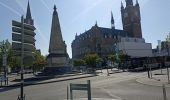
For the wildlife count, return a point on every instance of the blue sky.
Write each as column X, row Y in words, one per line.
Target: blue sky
column 76, row 16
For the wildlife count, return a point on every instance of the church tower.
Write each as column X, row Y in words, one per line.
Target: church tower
column 28, row 18
column 112, row 21
column 131, row 18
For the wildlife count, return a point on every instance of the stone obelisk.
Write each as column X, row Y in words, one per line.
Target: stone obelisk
column 57, row 60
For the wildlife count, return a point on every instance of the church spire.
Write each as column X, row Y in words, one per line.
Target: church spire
column 28, row 19
column 28, row 15
column 112, row 21
column 96, row 24
column 122, row 7
column 137, row 3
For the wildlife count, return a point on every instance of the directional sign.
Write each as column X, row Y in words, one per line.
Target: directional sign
column 27, row 38
column 18, row 53
column 79, row 86
column 26, row 26
column 27, row 47
column 26, row 32
column 83, row 87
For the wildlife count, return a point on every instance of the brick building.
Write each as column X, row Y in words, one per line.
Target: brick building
column 102, row 40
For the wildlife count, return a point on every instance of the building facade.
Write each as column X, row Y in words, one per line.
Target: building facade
column 135, row 47
column 102, row 40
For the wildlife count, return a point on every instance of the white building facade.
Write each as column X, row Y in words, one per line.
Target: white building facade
column 135, row 47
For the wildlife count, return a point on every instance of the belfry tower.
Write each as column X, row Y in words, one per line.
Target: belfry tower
column 57, row 60
column 131, row 19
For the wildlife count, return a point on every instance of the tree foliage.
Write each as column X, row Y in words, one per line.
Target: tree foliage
column 78, row 62
column 92, row 59
column 112, row 58
column 39, row 61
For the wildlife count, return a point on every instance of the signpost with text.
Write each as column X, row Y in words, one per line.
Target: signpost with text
column 82, row 87
column 23, row 44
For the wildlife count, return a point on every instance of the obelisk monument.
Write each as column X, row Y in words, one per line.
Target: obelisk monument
column 57, row 60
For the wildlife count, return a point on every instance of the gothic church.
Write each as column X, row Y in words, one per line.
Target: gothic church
column 102, row 40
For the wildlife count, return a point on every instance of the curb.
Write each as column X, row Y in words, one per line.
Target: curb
column 137, row 80
column 32, row 83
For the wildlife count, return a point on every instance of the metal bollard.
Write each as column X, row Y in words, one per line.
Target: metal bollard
column 67, row 93
column 164, row 92
column 89, row 90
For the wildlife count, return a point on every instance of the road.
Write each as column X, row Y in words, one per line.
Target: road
column 116, row 86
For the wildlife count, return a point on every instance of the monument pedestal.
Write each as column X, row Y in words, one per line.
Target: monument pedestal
column 57, row 64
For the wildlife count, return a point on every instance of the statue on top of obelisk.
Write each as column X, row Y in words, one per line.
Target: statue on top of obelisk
column 57, row 60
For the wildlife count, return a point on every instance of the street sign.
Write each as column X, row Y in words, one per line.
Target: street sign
column 26, row 26
column 84, row 87
column 18, row 53
column 27, row 38
column 27, row 47
column 79, row 86
column 26, row 31
column 23, row 41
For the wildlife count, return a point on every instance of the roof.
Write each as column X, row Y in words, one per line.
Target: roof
column 113, row 31
column 105, row 31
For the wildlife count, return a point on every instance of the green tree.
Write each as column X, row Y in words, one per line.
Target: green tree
column 39, row 61
column 5, row 48
column 123, row 58
column 91, row 60
column 78, row 62
column 112, row 58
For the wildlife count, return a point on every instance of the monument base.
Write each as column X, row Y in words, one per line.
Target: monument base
column 56, row 70
column 57, row 64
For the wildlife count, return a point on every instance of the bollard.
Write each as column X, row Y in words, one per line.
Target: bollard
column 164, row 92
column 67, row 94
column 168, row 75
column 108, row 72
column 7, row 80
column 89, row 90
column 148, row 73
column 1, row 80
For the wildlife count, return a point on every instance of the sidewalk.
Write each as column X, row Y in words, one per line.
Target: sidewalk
column 51, row 80
column 156, row 80
column 96, row 99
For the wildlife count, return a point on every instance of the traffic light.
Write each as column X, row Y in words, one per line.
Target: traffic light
column 23, row 41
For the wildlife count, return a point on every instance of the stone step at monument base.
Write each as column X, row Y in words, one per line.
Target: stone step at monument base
column 48, row 71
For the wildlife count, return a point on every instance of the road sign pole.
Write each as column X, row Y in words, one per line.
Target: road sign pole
column 71, row 92
column 22, row 54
